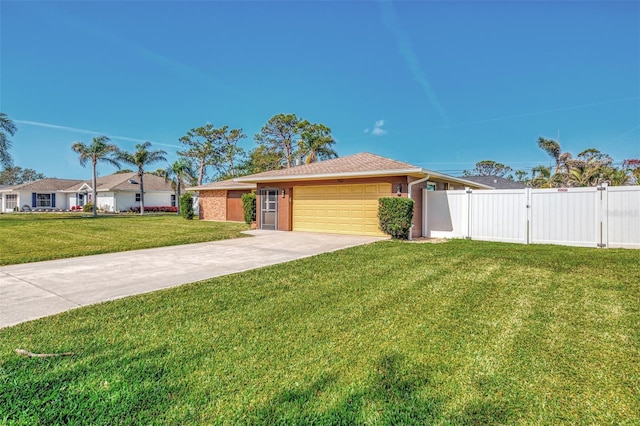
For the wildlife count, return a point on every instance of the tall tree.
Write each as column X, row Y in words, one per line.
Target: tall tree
column 315, row 143
column 230, row 152
column 281, row 134
column 99, row 150
column 14, row 175
column 141, row 158
column 541, row 177
column 521, row 176
column 202, row 145
column 490, row 168
column 6, row 127
column 632, row 166
column 261, row 159
column 180, row 173
column 552, row 148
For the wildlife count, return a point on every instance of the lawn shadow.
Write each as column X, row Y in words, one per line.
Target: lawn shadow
column 396, row 392
column 393, row 395
column 85, row 389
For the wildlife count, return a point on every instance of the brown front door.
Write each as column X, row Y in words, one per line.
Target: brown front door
column 235, row 213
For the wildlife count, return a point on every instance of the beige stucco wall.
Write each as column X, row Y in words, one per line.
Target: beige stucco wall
column 213, row 204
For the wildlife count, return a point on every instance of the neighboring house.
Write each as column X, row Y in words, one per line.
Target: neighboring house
column 222, row 200
column 116, row 192
column 43, row 194
column 496, row 182
column 341, row 195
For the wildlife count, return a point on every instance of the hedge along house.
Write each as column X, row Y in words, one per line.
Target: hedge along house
column 222, row 200
column 341, row 195
column 116, row 192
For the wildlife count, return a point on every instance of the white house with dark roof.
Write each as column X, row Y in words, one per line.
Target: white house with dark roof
column 116, row 192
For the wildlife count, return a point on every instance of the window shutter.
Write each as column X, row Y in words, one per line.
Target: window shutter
column 33, row 199
column 53, row 200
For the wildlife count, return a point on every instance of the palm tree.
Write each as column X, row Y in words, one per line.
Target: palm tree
column 140, row 158
column 6, row 126
column 100, row 149
column 180, row 172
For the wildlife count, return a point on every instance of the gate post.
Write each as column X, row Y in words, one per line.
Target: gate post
column 527, row 196
column 602, row 206
column 468, row 191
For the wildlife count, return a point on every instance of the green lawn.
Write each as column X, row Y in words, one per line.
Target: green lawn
column 34, row 237
column 462, row 332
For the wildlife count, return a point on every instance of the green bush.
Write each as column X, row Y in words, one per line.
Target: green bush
column 249, row 207
column 395, row 215
column 88, row 208
column 186, row 205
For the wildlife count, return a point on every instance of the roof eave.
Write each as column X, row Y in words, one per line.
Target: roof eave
column 221, row 188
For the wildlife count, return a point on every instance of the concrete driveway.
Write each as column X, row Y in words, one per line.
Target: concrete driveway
column 35, row 290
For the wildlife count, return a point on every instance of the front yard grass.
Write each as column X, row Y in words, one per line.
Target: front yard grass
column 463, row 332
column 46, row 236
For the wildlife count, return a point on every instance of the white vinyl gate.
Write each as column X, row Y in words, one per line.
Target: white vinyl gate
column 604, row 216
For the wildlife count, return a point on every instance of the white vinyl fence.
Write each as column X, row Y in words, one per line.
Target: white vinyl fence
column 605, row 216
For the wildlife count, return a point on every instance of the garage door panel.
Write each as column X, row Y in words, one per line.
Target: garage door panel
column 347, row 209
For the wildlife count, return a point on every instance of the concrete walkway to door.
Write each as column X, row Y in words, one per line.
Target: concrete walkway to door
column 34, row 290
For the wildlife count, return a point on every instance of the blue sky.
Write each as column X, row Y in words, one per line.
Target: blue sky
column 441, row 85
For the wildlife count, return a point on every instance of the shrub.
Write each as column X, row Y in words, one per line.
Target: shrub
column 395, row 215
column 87, row 208
column 155, row 209
column 186, row 205
column 249, row 207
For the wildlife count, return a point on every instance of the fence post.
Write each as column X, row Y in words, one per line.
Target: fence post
column 602, row 203
column 468, row 191
column 527, row 218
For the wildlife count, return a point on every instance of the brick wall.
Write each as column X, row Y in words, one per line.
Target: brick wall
column 213, row 205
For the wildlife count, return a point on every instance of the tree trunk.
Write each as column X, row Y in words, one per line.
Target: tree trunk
column 201, row 177
column 141, row 175
column 94, row 184
column 178, row 200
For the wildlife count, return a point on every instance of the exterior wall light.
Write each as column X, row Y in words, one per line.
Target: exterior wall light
column 283, row 192
column 399, row 189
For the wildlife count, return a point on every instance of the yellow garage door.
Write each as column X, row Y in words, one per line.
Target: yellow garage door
column 342, row 209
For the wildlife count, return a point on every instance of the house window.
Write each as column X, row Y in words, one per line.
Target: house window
column 137, row 198
column 43, row 200
column 11, row 201
column 173, row 200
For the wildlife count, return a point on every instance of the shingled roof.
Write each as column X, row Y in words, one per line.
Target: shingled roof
column 125, row 182
column 360, row 165
column 363, row 164
column 113, row 182
column 496, row 182
column 47, row 184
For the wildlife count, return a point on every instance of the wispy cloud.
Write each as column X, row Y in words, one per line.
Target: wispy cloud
column 405, row 49
column 187, row 71
column 88, row 132
column 377, row 129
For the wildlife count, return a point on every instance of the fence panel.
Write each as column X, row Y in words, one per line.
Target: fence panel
column 565, row 216
column 590, row 217
column 623, row 216
column 499, row 215
column 446, row 214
